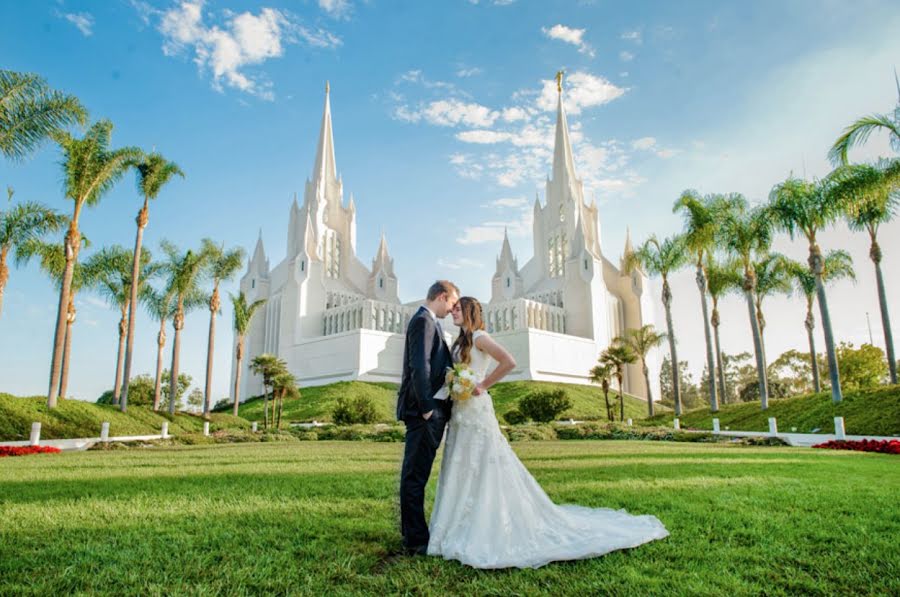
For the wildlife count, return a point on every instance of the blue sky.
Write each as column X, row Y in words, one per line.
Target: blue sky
column 443, row 121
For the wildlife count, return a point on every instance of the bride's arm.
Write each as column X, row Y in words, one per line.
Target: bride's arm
column 505, row 362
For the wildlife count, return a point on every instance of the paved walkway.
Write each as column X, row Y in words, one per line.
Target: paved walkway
column 84, row 443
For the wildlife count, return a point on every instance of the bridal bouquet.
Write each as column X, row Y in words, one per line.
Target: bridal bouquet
column 461, row 382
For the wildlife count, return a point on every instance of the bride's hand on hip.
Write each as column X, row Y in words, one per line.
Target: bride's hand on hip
column 479, row 390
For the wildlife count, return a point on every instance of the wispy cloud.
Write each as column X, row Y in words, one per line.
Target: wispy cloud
column 242, row 41
column 626, row 56
column 519, row 224
column 338, row 9
column 468, row 71
column 460, row 263
column 83, row 20
column 633, row 35
column 449, row 112
column 569, row 35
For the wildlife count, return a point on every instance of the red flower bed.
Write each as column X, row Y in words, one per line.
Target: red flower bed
column 885, row 446
column 26, row 450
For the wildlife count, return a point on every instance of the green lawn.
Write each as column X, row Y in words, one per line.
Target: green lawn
column 866, row 412
column 75, row 418
column 320, row 518
column 317, row 403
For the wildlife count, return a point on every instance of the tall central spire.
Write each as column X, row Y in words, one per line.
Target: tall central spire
column 325, row 169
column 563, row 165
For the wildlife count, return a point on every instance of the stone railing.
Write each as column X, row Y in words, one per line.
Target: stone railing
column 367, row 314
column 520, row 314
column 339, row 299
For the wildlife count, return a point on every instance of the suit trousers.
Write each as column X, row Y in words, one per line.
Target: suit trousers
column 422, row 440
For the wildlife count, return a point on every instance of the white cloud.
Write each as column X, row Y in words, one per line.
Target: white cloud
column 83, row 20
column 483, row 136
column 625, row 56
column 464, row 72
column 465, row 166
column 650, row 144
column 569, row 35
column 338, row 9
column 460, row 263
column 494, row 2
column 449, row 112
column 244, row 40
column 506, row 202
column 582, row 90
column 644, row 143
column 666, row 153
column 492, row 231
column 514, row 114
column 633, row 36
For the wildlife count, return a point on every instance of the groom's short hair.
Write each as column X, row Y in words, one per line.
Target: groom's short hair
column 440, row 287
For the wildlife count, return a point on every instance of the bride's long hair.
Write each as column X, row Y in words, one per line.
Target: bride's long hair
column 472, row 320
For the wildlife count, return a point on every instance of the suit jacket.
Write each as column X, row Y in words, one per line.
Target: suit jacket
column 426, row 358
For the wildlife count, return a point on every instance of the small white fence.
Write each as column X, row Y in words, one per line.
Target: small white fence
column 793, row 439
column 84, row 443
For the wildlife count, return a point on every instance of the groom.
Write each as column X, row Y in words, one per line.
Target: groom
column 423, row 407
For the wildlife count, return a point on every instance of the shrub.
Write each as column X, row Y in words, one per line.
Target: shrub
column 531, row 433
column 378, row 433
column 276, row 436
column 885, row 446
column 307, row 436
column 352, row 411
column 544, row 406
column 515, row 417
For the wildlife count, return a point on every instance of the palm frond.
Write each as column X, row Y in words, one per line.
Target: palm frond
column 154, row 171
column 858, row 133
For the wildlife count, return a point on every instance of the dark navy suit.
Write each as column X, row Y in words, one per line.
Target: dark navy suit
column 426, row 358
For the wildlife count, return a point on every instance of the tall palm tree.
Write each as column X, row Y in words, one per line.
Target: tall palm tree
column 243, row 315
column 269, row 367
column 154, row 171
column 803, row 207
column 159, row 306
column 772, row 277
column 617, row 355
column 30, row 112
column 747, row 232
column 838, row 265
column 602, row 374
column 701, row 223
column 52, row 258
column 721, row 278
column 858, row 132
column 641, row 341
column 19, row 225
column 185, row 272
column 91, row 169
column 222, row 265
column 872, row 193
column 660, row 259
column 113, row 275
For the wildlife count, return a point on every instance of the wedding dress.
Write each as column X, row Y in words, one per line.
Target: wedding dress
column 490, row 512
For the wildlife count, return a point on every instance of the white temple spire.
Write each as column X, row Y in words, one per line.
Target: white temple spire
column 506, row 255
column 325, row 169
column 628, row 248
column 563, row 164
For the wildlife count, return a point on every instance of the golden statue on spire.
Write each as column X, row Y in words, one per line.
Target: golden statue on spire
column 559, row 78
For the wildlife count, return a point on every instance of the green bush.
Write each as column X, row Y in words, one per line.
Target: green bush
column 353, row 411
column 278, row 436
column 378, row 433
column 515, row 417
column 307, row 436
column 531, row 433
column 544, row 406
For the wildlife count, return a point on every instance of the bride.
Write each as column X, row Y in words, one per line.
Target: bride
column 489, row 511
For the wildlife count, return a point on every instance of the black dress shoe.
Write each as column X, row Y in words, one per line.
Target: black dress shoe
column 417, row 550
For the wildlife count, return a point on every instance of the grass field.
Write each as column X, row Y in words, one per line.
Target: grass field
column 320, row 518
column 319, row 402
column 866, row 412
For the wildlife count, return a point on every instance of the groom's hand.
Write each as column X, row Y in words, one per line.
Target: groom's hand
column 427, row 415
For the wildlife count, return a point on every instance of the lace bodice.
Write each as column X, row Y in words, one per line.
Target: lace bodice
column 477, row 411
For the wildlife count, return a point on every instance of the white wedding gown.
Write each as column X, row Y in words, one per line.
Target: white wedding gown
column 490, row 512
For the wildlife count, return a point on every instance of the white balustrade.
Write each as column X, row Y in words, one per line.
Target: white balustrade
column 367, row 314
column 519, row 314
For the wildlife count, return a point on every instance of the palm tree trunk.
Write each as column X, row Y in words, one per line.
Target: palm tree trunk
column 178, row 324
column 142, row 219
column 875, row 254
column 817, row 265
column 676, row 385
column 117, row 385
column 265, row 407
column 710, row 364
column 280, row 408
column 762, row 335
column 4, row 275
column 72, row 244
column 810, row 325
column 647, row 383
column 67, row 349
column 160, row 345
column 719, row 365
column 608, row 406
column 749, row 292
column 239, row 356
column 621, row 400
column 213, row 309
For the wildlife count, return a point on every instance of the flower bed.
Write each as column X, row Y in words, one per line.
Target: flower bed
column 26, row 450
column 885, row 446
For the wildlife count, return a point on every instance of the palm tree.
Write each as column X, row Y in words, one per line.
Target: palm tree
column 858, row 132
column 30, row 112
column 19, row 225
column 701, row 223
column 270, row 367
column 113, row 275
column 617, row 355
column 748, row 232
column 802, row 207
column 641, row 341
column 283, row 384
column 721, row 278
column 159, row 306
column 185, row 271
column 772, row 277
column 223, row 265
column 154, row 171
column 662, row 258
column 872, row 193
column 53, row 261
column 91, row 169
column 602, row 374
column 243, row 315
column 838, row 265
